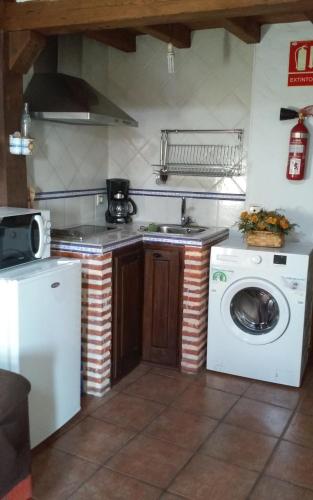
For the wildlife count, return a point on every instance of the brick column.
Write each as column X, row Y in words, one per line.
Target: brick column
column 96, row 320
column 195, row 308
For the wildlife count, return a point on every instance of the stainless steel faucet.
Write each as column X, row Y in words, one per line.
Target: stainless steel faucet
column 185, row 219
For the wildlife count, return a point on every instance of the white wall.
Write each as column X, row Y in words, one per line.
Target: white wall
column 268, row 149
column 210, row 89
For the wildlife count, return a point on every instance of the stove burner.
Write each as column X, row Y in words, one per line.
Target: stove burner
column 79, row 232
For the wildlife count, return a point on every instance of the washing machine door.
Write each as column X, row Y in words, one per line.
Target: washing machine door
column 255, row 310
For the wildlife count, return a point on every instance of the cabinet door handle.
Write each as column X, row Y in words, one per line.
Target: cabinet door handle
column 157, row 255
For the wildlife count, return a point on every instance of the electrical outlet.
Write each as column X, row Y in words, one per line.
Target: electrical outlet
column 99, row 200
column 254, row 209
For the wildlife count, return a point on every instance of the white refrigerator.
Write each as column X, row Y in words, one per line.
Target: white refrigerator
column 40, row 337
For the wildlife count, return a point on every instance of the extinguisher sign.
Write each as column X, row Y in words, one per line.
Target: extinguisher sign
column 300, row 64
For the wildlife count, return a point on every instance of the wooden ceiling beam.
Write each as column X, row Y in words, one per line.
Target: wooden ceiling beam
column 177, row 34
column 246, row 29
column 24, row 48
column 309, row 16
column 102, row 14
column 119, row 39
column 1, row 14
column 13, row 178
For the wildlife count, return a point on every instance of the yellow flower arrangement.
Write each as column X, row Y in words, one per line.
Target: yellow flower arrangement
column 271, row 221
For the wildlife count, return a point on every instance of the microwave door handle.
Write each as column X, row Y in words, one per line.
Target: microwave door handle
column 40, row 250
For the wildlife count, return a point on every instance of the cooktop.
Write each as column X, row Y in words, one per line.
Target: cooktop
column 79, row 232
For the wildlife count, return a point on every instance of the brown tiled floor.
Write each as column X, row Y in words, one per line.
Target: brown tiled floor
column 163, row 435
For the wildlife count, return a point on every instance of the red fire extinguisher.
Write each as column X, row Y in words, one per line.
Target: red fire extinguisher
column 297, row 151
column 298, row 142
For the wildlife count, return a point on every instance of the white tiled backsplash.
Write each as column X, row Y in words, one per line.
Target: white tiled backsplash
column 210, row 89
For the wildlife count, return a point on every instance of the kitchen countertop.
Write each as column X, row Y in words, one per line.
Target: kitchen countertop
column 127, row 234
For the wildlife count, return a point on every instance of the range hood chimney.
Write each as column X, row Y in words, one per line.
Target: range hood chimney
column 58, row 97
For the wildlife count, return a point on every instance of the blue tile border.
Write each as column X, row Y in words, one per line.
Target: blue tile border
column 188, row 194
column 163, row 193
column 71, row 193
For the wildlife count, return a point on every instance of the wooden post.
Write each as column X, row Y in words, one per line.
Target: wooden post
column 13, row 180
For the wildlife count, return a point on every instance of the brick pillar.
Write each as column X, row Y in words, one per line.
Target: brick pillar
column 195, row 308
column 96, row 320
column 97, row 323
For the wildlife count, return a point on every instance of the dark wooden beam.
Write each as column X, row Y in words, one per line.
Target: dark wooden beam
column 1, row 14
column 25, row 47
column 309, row 16
column 119, row 39
column 102, row 14
column 13, row 180
column 178, row 34
column 247, row 29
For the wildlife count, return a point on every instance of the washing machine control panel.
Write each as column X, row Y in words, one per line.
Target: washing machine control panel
column 280, row 259
column 256, row 259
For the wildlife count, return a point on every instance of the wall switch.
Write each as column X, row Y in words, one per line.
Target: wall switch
column 99, row 200
column 253, row 209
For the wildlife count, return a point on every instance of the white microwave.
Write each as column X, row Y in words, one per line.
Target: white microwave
column 24, row 235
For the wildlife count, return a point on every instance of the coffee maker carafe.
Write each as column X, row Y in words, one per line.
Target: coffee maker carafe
column 120, row 206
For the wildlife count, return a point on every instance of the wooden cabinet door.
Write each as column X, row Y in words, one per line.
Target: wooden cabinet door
column 127, row 310
column 162, row 299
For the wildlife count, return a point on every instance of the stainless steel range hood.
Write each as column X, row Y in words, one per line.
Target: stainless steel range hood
column 62, row 98
column 58, row 97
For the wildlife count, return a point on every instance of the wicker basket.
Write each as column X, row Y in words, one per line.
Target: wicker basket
column 265, row 239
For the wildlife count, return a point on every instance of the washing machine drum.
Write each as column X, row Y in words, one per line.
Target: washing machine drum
column 255, row 310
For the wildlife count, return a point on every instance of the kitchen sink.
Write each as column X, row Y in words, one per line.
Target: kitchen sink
column 177, row 229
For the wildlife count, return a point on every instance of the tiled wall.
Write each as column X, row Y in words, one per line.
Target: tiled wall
column 210, row 89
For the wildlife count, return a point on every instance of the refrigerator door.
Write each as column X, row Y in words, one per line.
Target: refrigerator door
column 43, row 339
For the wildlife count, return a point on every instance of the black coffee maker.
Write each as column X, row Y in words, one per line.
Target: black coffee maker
column 120, row 206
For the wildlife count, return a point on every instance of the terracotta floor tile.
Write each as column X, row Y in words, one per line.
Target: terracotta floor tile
column 157, row 388
column 228, row 383
column 63, row 430
column 90, row 403
column 205, row 478
column 205, row 401
column 259, row 417
column 110, row 485
column 129, row 411
column 239, row 446
column 134, row 375
column 300, row 430
column 270, row 488
column 169, row 496
column 56, row 475
column 274, row 394
column 306, row 404
column 93, row 440
column 184, row 429
column 292, row 463
column 308, row 375
column 150, row 460
column 171, row 372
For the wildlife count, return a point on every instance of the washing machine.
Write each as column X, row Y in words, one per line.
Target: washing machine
column 260, row 306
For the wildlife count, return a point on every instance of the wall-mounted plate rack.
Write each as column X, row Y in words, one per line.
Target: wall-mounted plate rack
column 206, row 153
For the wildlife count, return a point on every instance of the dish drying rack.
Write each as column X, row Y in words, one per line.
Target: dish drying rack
column 224, row 159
